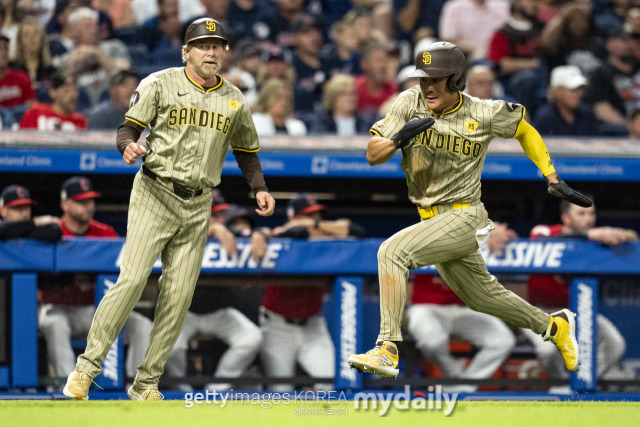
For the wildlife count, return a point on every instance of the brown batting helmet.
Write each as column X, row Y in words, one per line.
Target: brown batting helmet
column 205, row 28
column 441, row 59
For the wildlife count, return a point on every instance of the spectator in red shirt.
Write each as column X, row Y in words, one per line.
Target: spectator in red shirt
column 515, row 50
column 293, row 329
column 15, row 85
column 66, row 310
column 553, row 291
column 373, row 87
column 62, row 114
column 437, row 313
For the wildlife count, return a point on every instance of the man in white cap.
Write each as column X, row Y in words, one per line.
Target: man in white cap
column 566, row 114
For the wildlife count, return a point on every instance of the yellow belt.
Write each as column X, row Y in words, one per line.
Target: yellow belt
column 433, row 210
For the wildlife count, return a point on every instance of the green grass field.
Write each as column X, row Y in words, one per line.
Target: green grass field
column 174, row 414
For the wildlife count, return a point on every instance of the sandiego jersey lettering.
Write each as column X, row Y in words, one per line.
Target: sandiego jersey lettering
column 191, row 129
column 444, row 163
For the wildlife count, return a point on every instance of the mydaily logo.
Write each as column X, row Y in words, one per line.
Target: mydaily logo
column 433, row 400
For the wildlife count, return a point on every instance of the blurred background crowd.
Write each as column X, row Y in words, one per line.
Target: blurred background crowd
column 324, row 66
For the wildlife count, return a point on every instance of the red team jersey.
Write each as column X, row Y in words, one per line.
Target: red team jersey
column 42, row 117
column 547, row 291
column 15, row 88
column 75, row 294
column 431, row 289
column 293, row 302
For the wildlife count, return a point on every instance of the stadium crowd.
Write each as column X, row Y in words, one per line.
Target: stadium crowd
column 72, row 64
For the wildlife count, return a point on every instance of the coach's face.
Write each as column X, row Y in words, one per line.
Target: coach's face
column 438, row 98
column 206, row 56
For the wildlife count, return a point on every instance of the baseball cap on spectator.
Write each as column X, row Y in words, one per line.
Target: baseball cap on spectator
column 276, row 53
column 122, row 75
column 405, row 73
column 16, row 195
column 78, row 188
column 60, row 79
column 218, row 204
column 305, row 22
column 246, row 48
column 567, row 76
column 303, row 204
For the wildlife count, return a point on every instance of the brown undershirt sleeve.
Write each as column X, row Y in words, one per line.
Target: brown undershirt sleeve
column 128, row 133
column 249, row 164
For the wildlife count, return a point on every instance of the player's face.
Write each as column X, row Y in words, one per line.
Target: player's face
column 206, row 56
column 437, row 97
column 79, row 210
column 16, row 213
column 580, row 220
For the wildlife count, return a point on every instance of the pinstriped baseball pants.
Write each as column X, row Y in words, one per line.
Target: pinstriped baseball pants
column 159, row 223
column 448, row 240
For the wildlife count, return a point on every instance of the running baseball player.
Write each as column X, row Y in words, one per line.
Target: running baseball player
column 444, row 135
column 194, row 116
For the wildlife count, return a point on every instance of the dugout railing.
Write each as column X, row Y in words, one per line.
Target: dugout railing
column 349, row 261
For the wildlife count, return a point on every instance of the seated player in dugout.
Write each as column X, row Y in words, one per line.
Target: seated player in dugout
column 553, row 291
column 16, row 210
column 225, row 226
column 443, row 135
column 294, row 331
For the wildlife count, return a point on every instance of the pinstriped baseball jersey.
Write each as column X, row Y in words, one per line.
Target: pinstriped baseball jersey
column 444, row 163
column 191, row 128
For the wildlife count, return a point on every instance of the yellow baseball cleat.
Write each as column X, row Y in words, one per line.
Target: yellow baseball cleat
column 562, row 332
column 148, row 394
column 381, row 360
column 77, row 386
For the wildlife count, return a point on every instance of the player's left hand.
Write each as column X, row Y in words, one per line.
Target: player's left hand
column 561, row 190
column 266, row 204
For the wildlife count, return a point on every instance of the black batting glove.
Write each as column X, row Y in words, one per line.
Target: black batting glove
column 563, row 191
column 411, row 129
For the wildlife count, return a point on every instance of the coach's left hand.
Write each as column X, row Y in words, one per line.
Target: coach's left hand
column 266, row 204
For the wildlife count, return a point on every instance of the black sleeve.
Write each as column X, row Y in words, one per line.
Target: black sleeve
column 128, row 133
column 47, row 233
column 16, row 229
column 300, row 232
column 356, row 230
column 251, row 170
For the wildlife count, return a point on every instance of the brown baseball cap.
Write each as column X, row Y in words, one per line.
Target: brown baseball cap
column 205, row 28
